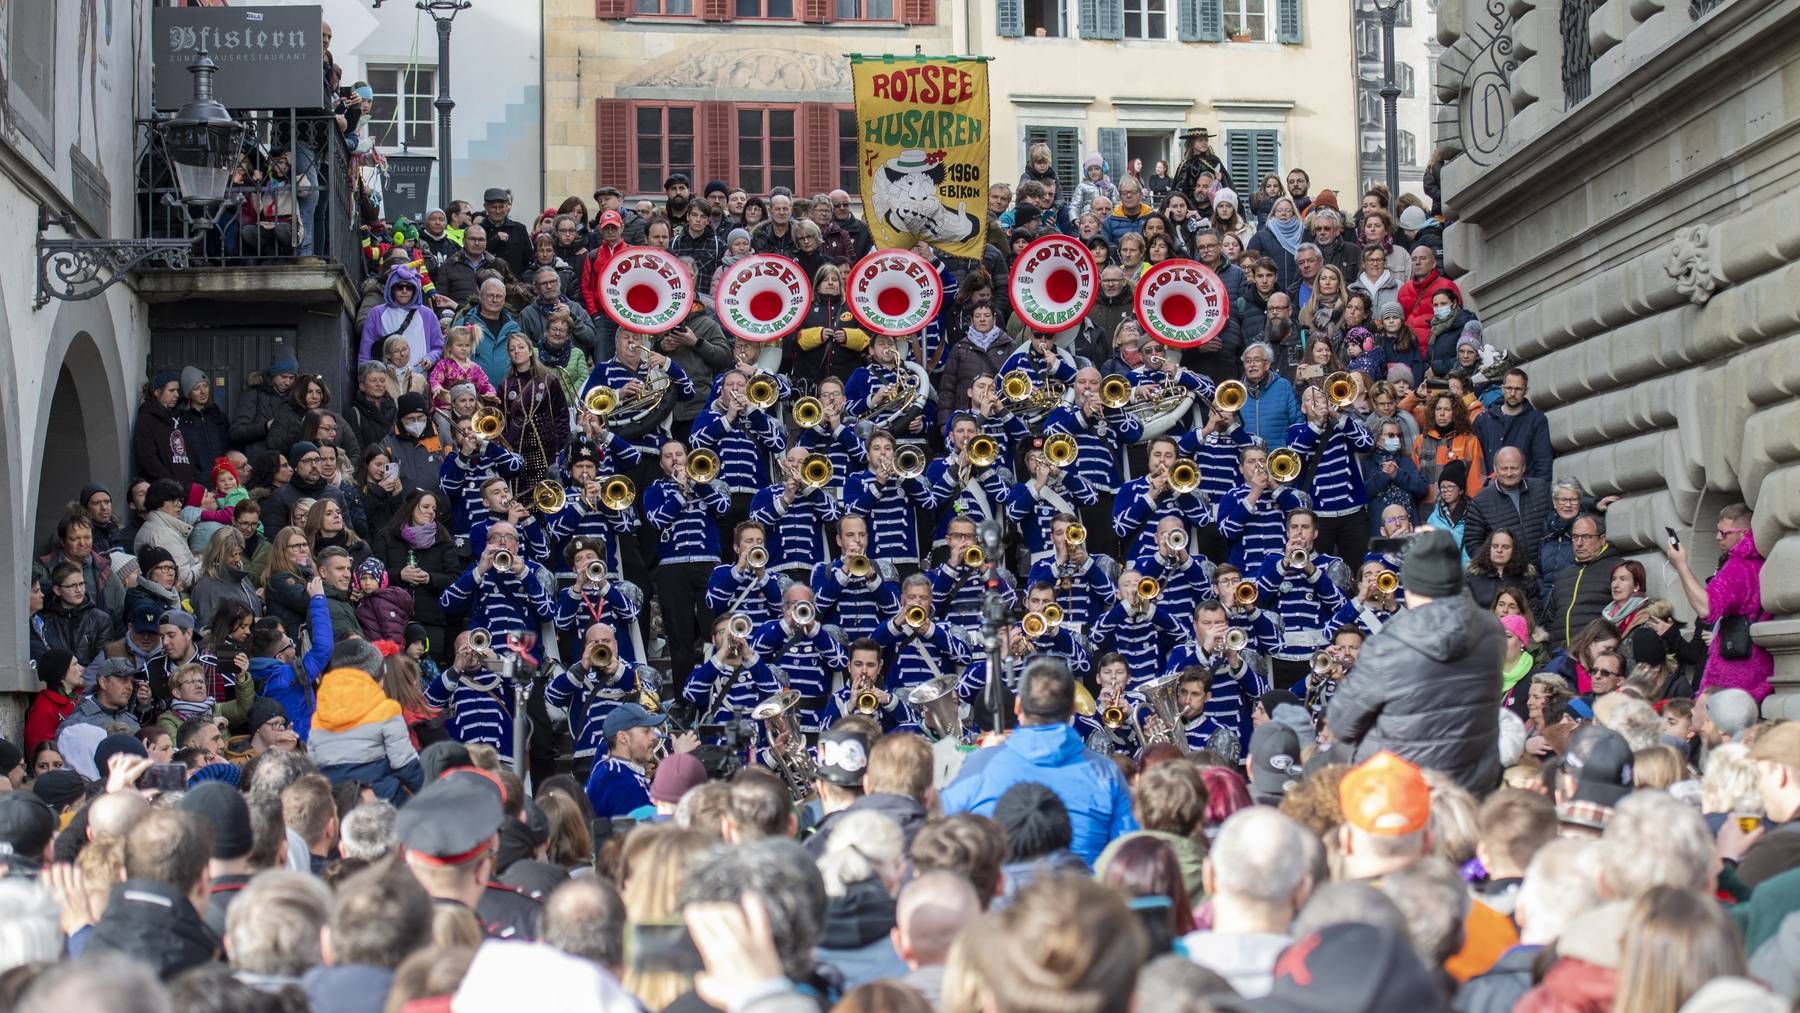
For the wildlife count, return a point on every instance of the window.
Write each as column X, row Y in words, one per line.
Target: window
column 664, row 144
column 865, row 10
column 1146, row 19
column 1407, row 146
column 1368, row 105
column 1250, row 155
column 31, row 70
column 1065, row 154
column 778, row 9
column 849, row 174
column 1247, row 20
column 1046, row 19
column 765, row 149
column 403, row 115
column 672, row 8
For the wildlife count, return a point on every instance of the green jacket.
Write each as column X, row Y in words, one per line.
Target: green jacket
column 1189, row 853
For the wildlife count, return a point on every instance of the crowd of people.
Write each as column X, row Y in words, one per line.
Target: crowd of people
column 956, row 670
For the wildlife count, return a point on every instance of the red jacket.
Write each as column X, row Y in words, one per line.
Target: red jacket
column 47, row 712
column 1572, row 986
column 1415, row 299
column 591, row 264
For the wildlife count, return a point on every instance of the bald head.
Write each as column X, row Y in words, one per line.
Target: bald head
column 933, row 908
column 114, row 814
column 1509, row 466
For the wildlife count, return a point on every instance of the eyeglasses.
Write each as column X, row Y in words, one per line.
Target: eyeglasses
column 278, row 724
column 75, row 584
column 1578, row 537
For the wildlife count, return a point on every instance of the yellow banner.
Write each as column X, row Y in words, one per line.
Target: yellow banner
column 922, row 125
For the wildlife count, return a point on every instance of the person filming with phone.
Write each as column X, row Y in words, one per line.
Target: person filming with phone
column 1728, row 602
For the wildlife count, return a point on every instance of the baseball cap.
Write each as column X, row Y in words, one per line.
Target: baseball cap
column 675, row 776
column 495, row 193
column 1780, row 744
column 843, row 757
column 1349, row 968
column 1600, row 761
column 1274, row 761
column 1385, row 795
column 176, row 618
column 627, row 716
column 610, row 218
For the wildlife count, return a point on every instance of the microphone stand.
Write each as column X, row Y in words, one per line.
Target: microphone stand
column 993, row 624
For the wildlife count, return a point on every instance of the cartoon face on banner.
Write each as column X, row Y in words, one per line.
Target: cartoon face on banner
column 1182, row 303
column 646, row 290
column 1053, row 284
column 762, row 298
column 906, row 197
column 894, row 292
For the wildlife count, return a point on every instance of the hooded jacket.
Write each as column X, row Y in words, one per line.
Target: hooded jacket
column 158, row 446
column 1580, row 591
column 384, row 613
column 256, row 409
column 167, row 531
column 1089, row 785
column 1415, row 299
column 1121, row 222
column 1427, row 688
column 415, row 321
column 155, row 923
column 1528, row 431
column 856, row 939
column 278, row 680
column 358, row 734
column 208, row 435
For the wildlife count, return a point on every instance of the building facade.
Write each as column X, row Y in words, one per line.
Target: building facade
column 1127, row 77
column 756, row 92
column 1620, row 177
column 1416, row 51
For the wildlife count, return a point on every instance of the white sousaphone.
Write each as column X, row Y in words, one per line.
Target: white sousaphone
column 646, row 290
column 894, row 292
column 762, row 298
column 1053, row 284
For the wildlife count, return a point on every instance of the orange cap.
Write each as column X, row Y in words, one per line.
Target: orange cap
column 1385, row 795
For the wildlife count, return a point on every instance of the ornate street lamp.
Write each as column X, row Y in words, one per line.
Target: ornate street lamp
column 443, row 13
column 1390, row 95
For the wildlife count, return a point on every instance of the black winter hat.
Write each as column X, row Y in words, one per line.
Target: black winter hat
column 1035, row 820
column 11, row 758
column 220, row 806
column 152, row 556
column 26, row 824
column 1456, row 471
column 263, row 711
column 52, row 666
column 1432, row 565
column 410, row 403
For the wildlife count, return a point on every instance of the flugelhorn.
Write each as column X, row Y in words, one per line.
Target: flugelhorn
column 1113, row 716
column 1244, row 595
column 1231, row 396
column 1284, row 465
column 1175, row 541
column 1015, row 386
column 1075, row 534
column 983, row 451
column 756, row 558
column 815, row 472
column 740, row 625
column 1236, row 639
column 1148, row 589
column 867, row 703
column 1184, row 475
column 595, row 572
column 702, row 466
column 914, row 617
column 480, row 641
column 600, row 401
column 1115, row 391
column 909, row 462
column 762, row 391
column 973, row 557
column 548, row 497
column 1034, row 624
column 1386, row 582
column 1060, row 450
column 858, row 565
column 488, row 422
column 1340, row 389
column 617, row 492
column 808, row 413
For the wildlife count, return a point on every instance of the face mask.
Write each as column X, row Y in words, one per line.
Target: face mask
column 1441, row 312
column 413, row 429
column 1391, row 444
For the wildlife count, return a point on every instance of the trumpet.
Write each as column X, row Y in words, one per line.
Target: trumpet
column 762, row 391
column 1244, row 595
column 703, row 466
column 481, row 641
column 602, row 656
column 1060, row 450
column 1175, row 541
column 1184, row 475
column 488, row 422
column 1148, row 589
column 756, row 558
column 1015, row 386
column 914, row 617
column 983, row 451
column 803, row 613
column 548, row 497
column 867, row 703
column 1236, row 639
column 1053, row 614
column 600, row 401
column 740, row 626
column 1386, row 582
column 1075, row 534
column 1230, row 396
column 1323, row 661
column 815, row 472
column 503, row 560
column 808, row 413
column 595, row 572
column 858, row 566
column 1115, row 391
column 1284, row 465
column 909, row 462
column 973, row 557
column 1112, row 717
column 1340, row 389
column 1297, row 558
column 617, row 492
column 1034, row 624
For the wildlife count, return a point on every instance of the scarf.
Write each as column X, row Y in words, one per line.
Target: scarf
column 555, row 356
column 1286, row 233
column 419, row 536
column 1375, row 284
column 984, row 340
column 190, row 709
column 1616, row 611
column 1519, row 670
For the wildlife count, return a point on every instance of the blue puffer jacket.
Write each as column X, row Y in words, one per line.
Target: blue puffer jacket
column 1089, row 784
column 278, row 680
column 1270, row 410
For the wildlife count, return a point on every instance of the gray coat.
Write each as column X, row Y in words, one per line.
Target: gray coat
column 1427, row 687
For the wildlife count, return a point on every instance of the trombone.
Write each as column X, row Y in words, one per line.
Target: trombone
column 1115, row 391
column 488, row 422
column 1060, row 450
column 617, row 492
column 909, row 462
column 1230, row 396
column 809, row 413
column 1016, row 386
column 815, row 472
column 600, row 401
column 702, row 466
column 1284, row 465
column 548, row 497
column 762, row 391
column 1184, row 475
column 983, row 451
column 1340, row 389
column 1386, row 582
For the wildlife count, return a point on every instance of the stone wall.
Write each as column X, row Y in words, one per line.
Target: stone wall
column 1624, row 223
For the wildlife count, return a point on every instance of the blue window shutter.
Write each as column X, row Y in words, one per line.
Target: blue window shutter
column 1288, row 22
column 1268, row 152
column 1102, row 19
column 1087, row 19
column 1201, row 21
column 1112, row 148
column 1009, row 18
column 1239, row 160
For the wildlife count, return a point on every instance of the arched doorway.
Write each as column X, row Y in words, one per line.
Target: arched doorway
column 81, row 435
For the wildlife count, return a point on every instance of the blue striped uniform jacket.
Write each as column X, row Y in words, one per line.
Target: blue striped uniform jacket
column 796, row 531
column 1083, row 590
column 907, row 653
column 1366, row 618
column 1097, row 443
column 843, row 448
column 806, row 662
column 461, row 480
column 589, row 696
column 981, row 497
column 1144, row 640
column 1026, row 358
column 745, row 447
column 1234, row 691
column 613, row 373
column 534, row 537
column 578, row 608
column 1217, row 457
column 1337, row 485
column 1135, row 515
column 1255, row 533
column 732, row 692
column 856, row 606
column 500, row 602
column 575, row 520
column 755, row 595
column 956, row 594
column 1033, row 508
column 480, row 708
column 687, row 529
column 1306, row 605
column 1183, row 587
column 891, row 511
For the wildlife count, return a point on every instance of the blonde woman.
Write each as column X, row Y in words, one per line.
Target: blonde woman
column 1728, row 788
column 654, row 863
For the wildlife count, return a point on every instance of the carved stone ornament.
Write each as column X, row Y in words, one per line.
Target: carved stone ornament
column 1690, row 264
column 751, row 68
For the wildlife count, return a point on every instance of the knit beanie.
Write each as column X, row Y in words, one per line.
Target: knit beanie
column 1433, row 564
column 221, row 807
column 1035, row 820
column 52, row 666
column 735, row 234
column 411, row 403
column 191, row 377
column 1390, row 311
column 1457, row 472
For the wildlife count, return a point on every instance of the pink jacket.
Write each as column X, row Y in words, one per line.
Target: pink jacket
column 1736, row 590
column 448, row 373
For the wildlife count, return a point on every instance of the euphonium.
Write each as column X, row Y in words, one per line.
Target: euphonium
column 1231, row 395
column 808, row 413
column 792, row 758
column 1148, row 589
column 1060, row 450
column 1034, row 624
column 1184, row 475
column 858, row 565
column 488, row 422
column 973, row 556
column 480, row 641
column 1115, row 391
column 914, row 617
column 1386, row 582
column 1015, row 386
column 757, row 558
column 909, row 462
column 1340, row 389
column 983, row 451
column 815, row 472
column 740, row 625
column 595, row 572
column 702, row 466
column 1236, row 639
column 762, row 391
column 600, row 401
column 548, row 497
column 867, row 702
column 617, row 492
column 940, row 712
column 648, row 696
column 1284, row 465
column 1163, row 697
column 1244, row 595
column 1075, row 534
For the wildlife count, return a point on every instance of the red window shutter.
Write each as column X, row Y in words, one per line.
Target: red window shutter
column 818, row 147
column 715, row 10
column 612, row 10
column 918, row 12
column 715, row 140
column 815, row 11
column 612, row 143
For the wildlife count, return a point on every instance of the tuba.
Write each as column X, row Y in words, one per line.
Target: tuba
column 792, row 759
column 940, row 712
column 633, row 417
column 1162, row 697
